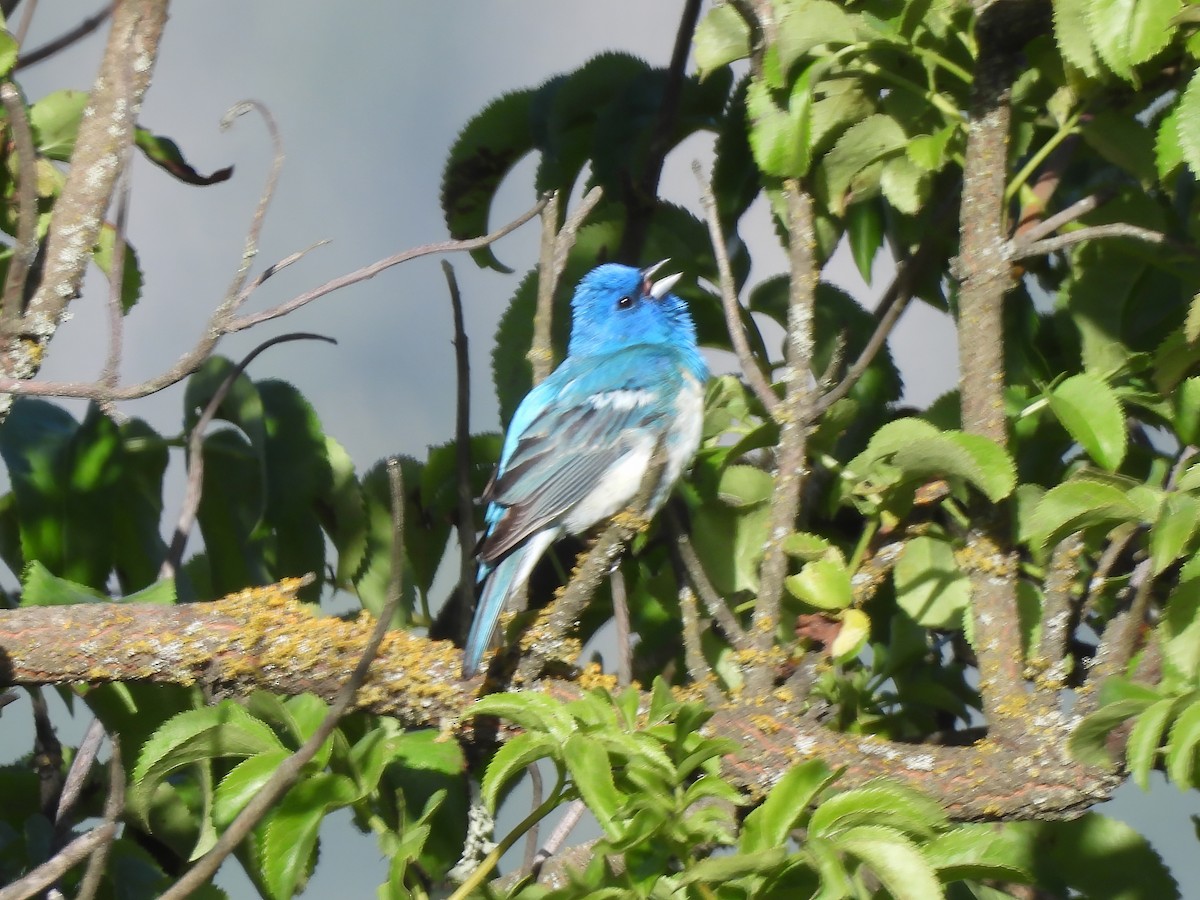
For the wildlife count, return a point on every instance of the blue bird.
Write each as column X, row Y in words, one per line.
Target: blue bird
column 581, row 442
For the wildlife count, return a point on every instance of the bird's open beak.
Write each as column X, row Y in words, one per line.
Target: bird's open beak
column 658, row 289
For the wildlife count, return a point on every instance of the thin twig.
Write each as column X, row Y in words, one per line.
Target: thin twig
column 620, row 602
column 290, row 769
column 1114, row 229
column 462, row 454
column 26, row 20
column 116, row 277
column 195, row 480
column 791, row 454
column 693, row 651
column 48, row 755
column 240, row 323
column 81, row 767
column 194, row 358
column 26, row 246
column 699, row 580
column 571, row 816
column 114, row 805
column 1051, row 224
column 536, row 790
column 541, row 353
column 64, row 40
column 60, row 864
column 755, row 377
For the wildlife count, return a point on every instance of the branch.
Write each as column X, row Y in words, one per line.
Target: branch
column 64, row 40
column 1058, row 613
column 290, row 769
column 27, row 243
column 1048, row 226
column 755, row 377
column 699, row 580
column 693, row 652
column 791, row 455
column 1114, row 229
column 248, row 641
column 114, row 805
column 60, row 864
column 462, row 454
column 106, row 127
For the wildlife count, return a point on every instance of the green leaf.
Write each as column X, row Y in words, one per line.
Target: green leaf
column 8, row 52
column 1127, row 33
column 930, row 151
column 511, row 760
column 242, row 783
column 1173, row 530
column 864, row 229
column 1076, row 505
column 894, row 860
column 720, row 870
column 905, row 185
column 1187, row 123
column 979, row 852
column 770, row 824
column 1087, row 743
column 131, row 270
column 592, row 774
column 1180, row 625
column 39, row 587
column 292, row 828
column 822, row 583
column 1168, row 157
column 1141, row 749
column 878, row 802
column 1181, row 748
column 165, row 154
column 744, row 486
column 849, row 171
column 54, row 121
column 533, row 712
column 781, row 138
column 805, row 24
column 930, row 586
column 1073, row 36
column 482, row 154
column 1090, row 411
column 731, row 542
column 722, row 37
column 852, row 636
column 196, row 736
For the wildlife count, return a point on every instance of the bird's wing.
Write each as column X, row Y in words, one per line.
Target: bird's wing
column 581, row 425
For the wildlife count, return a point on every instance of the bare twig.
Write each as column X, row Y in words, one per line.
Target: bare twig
column 571, row 816
column 60, row 864
column 48, row 755
column 195, row 480
column 755, row 377
column 1066, row 216
column 620, row 602
column 114, row 805
column 240, row 323
column 698, row 578
column 536, row 791
column 81, row 767
column 26, row 20
column 693, row 651
column 791, row 455
column 1114, row 229
column 289, row 770
column 27, row 244
column 190, row 361
column 64, row 40
column 462, row 454
column 541, row 355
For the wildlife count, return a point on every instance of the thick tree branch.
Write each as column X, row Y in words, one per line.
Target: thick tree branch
column 263, row 638
column 106, row 127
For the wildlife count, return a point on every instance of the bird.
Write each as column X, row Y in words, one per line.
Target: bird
column 581, row 442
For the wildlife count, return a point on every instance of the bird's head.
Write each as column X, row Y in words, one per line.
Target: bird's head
column 617, row 306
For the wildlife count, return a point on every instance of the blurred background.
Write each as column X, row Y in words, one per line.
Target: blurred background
column 369, row 99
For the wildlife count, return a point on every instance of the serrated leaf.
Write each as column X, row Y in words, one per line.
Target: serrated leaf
column 510, row 761
column 40, row 587
column 878, row 802
column 1076, row 505
column 1181, row 748
column 197, row 736
column 979, row 852
column 1087, row 742
column 720, row 870
column 905, row 185
column 781, row 138
column 894, row 860
column 864, row 230
column 722, row 37
column 1073, row 37
column 802, row 25
column 1127, row 33
column 1173, row 530
column 1168, row 157
column 769, row 824
column 1180, row 626
column 1090, row 411
column 292, row 829
column 807, row 546
column 1141, row 749
column 533, row 712
column 1187, row 123
column 930, row 586
column 849, row 171
column 822, row 583
column 929, row 151
column 242, row 783
column 8, row 52
column 591, row 773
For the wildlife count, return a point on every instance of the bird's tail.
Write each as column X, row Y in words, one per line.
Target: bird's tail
column 497, row 585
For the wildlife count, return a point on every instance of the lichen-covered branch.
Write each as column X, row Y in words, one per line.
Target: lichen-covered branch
column 263, row 638
column 106, row 127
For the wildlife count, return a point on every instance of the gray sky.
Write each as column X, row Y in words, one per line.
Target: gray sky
column 369, row 98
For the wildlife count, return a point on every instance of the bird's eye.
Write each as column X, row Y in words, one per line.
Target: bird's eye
column 625, row 302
